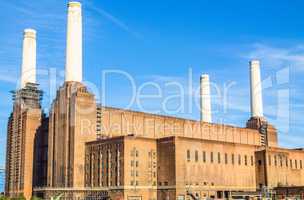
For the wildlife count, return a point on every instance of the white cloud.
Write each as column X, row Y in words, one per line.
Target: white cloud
column 278, row 57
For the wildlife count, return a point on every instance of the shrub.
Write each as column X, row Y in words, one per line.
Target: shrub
column 35, row 198
column 21, row 197
column 4, row 198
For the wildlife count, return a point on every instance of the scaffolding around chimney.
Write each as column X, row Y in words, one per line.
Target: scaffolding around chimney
column 29, row 96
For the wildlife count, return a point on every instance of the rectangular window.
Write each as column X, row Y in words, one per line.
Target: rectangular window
column 232, row 159
column 226, row 158
column 188, row 155
column 301, row 164
column 204, row 156
column 269, row 160
column 240, row 160
column 296, row 164
column 290, row 163
column 275, row 161
column 211, row 157
column 252, row 161
column 219, row 157
column 246, row 161
column 286, row 162
column 196, row 156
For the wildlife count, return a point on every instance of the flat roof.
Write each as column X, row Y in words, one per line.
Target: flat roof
column 131, row 136
column 134, row 137
column 171, row 117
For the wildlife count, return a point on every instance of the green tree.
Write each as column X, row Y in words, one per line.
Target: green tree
column 4, row 198
column 57, row 197
column 35, row 198
column 21, row 197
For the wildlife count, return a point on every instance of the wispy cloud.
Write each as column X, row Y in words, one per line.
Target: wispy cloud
column 276, row 56
column 291, row 140
column 19, row 7
column 8, row 76
column 118, row 22
column 163, row 78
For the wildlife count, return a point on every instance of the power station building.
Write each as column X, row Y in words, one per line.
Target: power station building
column 83, row 150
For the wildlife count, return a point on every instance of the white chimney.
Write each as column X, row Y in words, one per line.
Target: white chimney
column 256, row 89
column 28, row 69
column 205, row 99
column 73, row 67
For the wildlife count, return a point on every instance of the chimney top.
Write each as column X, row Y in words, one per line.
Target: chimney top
column 205, row 100
column 204, row 76
column 254, row 62
column 30, row 33
column 256, row 89
column 73, row 66
column 74, row 4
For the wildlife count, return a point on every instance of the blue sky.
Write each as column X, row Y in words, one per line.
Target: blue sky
column 160, row 41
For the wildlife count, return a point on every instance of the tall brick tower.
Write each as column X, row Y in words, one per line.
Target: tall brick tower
column 73, row 114
column 23, row 124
